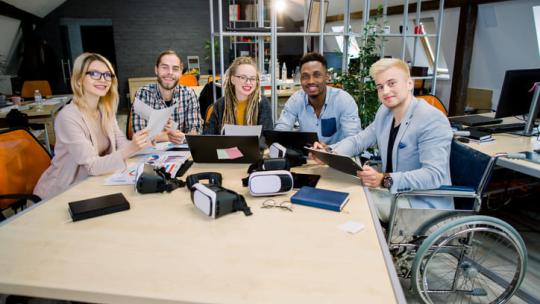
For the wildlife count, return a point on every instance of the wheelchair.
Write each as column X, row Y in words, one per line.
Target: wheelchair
column 457, row 256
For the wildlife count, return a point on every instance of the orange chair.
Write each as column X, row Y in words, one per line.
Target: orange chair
column 208, row 114
column 188, row 81
column 20, row 173
column 30, row 86
column 434, row 101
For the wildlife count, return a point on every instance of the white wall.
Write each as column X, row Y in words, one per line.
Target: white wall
column 8, row 31
column 505, row 39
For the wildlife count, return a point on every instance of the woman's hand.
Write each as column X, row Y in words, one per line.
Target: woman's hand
column 139, row 141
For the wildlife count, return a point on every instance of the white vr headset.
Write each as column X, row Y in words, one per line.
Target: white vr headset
column 267, row 183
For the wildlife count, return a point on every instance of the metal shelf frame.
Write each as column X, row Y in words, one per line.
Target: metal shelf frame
column 347, row 35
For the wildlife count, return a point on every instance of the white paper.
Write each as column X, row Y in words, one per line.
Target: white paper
column 158, row 120
column 351, row 227
column 239, row 130
column 142, row 109
column 124, row 177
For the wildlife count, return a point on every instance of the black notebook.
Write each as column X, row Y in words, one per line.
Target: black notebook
column 92, row 207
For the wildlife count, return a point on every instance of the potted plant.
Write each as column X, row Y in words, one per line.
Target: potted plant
column 356, row 80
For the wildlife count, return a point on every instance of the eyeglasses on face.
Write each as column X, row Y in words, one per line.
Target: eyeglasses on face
column 270, row 203
column 246, row 79
column 108, row 76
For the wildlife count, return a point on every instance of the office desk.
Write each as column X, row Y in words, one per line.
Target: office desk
column 46, row 116
column 512, row 143
column 163, row 250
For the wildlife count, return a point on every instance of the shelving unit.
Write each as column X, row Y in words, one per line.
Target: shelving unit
column 265, row 42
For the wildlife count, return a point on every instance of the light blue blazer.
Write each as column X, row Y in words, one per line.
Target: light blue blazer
column 421, row 152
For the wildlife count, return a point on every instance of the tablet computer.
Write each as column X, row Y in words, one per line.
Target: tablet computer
column 342, row 163
column 224, row 148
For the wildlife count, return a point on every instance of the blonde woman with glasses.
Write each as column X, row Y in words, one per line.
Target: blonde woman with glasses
column 242, row 103
column 88, row 139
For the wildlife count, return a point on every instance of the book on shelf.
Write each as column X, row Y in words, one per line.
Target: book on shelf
column 234, row 12
column 320, row 198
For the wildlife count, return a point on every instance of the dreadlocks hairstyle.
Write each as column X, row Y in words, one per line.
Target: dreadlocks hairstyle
column 252, row 109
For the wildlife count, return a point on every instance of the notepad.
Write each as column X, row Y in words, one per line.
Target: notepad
column 320, row 198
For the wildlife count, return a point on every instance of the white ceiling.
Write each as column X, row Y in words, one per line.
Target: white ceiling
column 39, row 8
column 295, row 8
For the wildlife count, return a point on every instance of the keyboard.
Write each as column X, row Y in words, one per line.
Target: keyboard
column 502, row 128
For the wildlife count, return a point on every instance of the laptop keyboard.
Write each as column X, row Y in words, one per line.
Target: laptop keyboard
column 503, row 128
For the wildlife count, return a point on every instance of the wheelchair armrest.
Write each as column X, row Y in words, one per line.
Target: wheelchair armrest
column 443, row 191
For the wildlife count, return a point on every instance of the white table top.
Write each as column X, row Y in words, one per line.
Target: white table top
column 163, row 250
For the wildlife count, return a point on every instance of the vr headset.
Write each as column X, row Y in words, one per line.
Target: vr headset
column 269, row 177
column 295, row 157
column 156, row 180
column 212, row 199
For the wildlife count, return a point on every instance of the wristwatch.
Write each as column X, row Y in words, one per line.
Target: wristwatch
column 387, row 181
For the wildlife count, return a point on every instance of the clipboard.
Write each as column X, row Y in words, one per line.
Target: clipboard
column 341, row 163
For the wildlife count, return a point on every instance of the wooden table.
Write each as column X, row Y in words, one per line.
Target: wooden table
column 46, row 116
column 512, row 143
column 163, row 250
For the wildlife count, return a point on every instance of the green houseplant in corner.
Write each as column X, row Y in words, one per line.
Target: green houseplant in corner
column 356, row 80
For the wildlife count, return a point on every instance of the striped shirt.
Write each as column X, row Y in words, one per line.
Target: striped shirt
column 186, row 115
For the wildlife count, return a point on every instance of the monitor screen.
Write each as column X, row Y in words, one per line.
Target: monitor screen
column 515, row 97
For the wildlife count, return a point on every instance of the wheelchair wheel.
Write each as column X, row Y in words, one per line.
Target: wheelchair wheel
column 475, row 259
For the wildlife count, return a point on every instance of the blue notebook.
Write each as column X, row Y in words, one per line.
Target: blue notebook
column 320, row 198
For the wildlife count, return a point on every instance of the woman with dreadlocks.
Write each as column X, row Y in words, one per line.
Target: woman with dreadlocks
column 242, row 103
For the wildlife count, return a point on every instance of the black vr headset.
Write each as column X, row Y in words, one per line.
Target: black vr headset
column 156, row 180
column 212, row 199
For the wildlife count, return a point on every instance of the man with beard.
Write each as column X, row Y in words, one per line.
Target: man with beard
column 168, row 93
column 413, row 138
column 330, row 112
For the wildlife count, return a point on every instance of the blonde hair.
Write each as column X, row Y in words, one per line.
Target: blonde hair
column 386, row 63
column 107, row 104
column 252, row 109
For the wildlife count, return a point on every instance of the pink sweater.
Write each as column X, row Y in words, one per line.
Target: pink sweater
column 76, row 155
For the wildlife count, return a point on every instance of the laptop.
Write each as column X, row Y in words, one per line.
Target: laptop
column 341, row 163
column 290, row 139
column 474, row 120
column 224, row 148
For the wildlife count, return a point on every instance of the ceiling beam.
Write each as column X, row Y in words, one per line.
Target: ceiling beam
column 398, row 9
column 11, row 11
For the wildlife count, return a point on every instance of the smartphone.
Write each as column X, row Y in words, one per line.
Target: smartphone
column 300, row 180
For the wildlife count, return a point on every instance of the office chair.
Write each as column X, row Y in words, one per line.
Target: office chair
column 22, row 161
column 434, row 101
column 208, row 114
column 30, row 86
column 17, row 119
column 188, row 81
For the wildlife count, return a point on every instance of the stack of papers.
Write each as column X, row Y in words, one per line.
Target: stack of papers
column 171, row 161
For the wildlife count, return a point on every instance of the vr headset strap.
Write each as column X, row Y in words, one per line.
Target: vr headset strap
column 240, row 203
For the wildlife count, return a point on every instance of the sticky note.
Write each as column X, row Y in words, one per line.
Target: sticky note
column 222, row 154
column 234, row 153
column 351, row 227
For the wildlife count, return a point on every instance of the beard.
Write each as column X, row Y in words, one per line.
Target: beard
column 165, row 86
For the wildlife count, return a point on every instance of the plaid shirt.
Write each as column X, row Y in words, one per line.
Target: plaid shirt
column 186, row 115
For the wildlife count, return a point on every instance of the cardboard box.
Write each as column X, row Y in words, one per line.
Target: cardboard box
column 479, row 99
